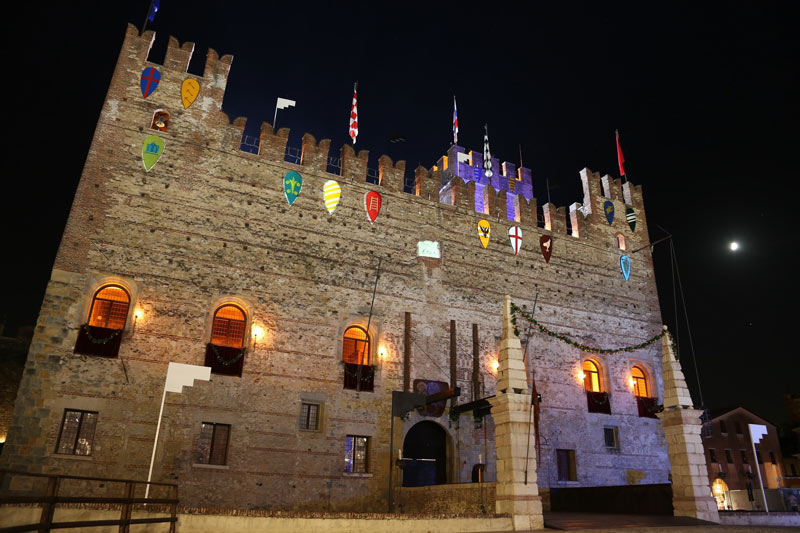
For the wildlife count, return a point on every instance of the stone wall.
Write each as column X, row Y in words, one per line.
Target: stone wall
column 209, row 224
column 462, row 498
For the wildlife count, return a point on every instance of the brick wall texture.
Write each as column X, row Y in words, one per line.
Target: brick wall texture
column 209, row 224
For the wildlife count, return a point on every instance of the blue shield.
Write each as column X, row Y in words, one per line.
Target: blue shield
column 625, row 265
column 608, row 209
column 150, row 78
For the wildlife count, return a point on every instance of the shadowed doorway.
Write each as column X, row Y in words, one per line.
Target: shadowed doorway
column 426, row 445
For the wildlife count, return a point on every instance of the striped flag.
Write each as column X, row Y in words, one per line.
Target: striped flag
column 487, row 155
column 354, row 115
column 620, row 158
column 455, row 121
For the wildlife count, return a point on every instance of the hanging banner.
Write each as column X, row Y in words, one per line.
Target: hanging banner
column 372, row 203
column 152, row 148
column 515, row 236
column 608, row 209
column 149, row 81
column 546, row 244
column 331, row 193
column 292, row 183
column 630, row 216
column 190, row 88
column 429, row 388
column 484, row 232
column 625, row 265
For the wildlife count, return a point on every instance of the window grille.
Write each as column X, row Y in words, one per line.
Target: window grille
column 355, row 454
column 77, row 432
column 309, row 416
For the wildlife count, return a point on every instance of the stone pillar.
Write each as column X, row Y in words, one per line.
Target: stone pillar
column 691, row 493
column 511, row 412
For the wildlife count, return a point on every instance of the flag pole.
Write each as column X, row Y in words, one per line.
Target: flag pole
column 146, row 18
column 155, row 443
column 274, row 118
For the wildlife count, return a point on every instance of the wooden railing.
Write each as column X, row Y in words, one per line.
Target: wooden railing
column 52, row 497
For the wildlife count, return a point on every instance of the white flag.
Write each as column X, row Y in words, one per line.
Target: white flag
column 283, row 103
column 180, row 375
column 756, row 432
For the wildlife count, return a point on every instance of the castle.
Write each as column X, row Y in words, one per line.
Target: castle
column 310, row 319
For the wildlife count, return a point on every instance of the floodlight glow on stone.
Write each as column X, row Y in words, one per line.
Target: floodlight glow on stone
column 734, row 246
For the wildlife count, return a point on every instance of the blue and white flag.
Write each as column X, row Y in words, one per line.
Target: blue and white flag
column 153, row 10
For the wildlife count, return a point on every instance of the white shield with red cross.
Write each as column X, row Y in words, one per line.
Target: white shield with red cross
column 515, row 236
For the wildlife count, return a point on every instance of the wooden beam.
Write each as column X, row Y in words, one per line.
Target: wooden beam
column 475, row 363
column 453, row 376
column 443, row 395
column 407, row 354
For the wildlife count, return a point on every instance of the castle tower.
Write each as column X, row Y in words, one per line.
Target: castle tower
column 691, row 494
column 510, row 408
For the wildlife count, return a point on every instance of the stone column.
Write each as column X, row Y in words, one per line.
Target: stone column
column 511, row 413
column 691, row 493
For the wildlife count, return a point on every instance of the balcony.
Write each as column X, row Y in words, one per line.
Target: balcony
column 225, row 360
column 97, row 341
column 648, row 407
column 351, row 377
column 598, row 402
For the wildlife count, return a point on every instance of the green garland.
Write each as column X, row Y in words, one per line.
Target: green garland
column 366, row 376
column 95, row 340
column 515, row 310
column 229, row 362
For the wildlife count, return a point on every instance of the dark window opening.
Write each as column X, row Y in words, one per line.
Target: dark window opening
column 212, row 446
column 566, row 465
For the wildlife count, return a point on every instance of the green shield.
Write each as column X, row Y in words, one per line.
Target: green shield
column 152, row 148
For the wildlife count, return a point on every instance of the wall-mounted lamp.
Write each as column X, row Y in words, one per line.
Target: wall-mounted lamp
column 495, row 365
column 258, row 332
column 632, row 382
column 382, row 352
column 136, row 316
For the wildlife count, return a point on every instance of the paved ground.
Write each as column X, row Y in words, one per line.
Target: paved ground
column 608, row 523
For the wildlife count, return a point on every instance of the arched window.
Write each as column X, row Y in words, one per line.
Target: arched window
column 228, row 327
column 160, row 120
column 639, row 382
column 355, row 346
column 110, row 307
column 621, row 241
column 591, row 376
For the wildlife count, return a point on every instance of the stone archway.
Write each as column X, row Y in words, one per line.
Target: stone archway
column 426, row 445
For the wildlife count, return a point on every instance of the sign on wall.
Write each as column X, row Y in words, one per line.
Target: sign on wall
column 292, row 184
column 484, row 232
column 149, row 81
column 152, row 148
column 190, row 88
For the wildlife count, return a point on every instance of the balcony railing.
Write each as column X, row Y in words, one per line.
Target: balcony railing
column 101, row 342
column 598, row 402
column 225, row 360
column 648, row 407
column 351, row 377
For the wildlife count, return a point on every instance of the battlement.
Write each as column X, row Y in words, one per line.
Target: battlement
column 457, row 179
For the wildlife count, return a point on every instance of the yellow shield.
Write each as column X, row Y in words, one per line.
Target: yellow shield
column 484, row 232
column 331, row 192
column 190, row 88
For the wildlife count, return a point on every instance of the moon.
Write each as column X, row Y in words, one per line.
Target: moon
column 734, row 246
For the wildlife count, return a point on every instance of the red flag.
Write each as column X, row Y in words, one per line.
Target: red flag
column 354, row 115
column 620, row 157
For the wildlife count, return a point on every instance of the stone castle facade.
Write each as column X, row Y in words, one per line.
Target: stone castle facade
column 209, row 226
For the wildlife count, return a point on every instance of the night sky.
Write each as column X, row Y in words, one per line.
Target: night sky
column 705, row 98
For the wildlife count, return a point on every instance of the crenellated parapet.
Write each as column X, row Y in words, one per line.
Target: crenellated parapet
column 458, row 178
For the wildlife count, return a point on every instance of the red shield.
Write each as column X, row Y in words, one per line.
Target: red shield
column 546, row 244
column 372, row 203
